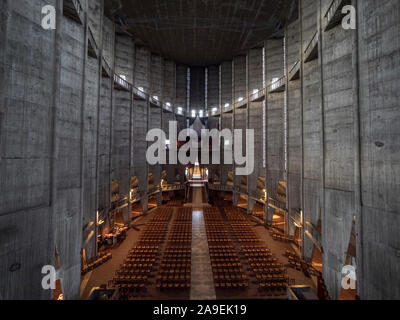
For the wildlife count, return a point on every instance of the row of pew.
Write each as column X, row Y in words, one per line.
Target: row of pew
column 175, row 268
column 133, row 275
column 227, row 269
column 270, row 274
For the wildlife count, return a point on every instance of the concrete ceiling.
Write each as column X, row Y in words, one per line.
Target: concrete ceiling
column 200, row 32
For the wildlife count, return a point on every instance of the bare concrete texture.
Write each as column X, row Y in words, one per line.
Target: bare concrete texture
column 104, row 146
column 67, row 218
column 240, row 115
column 155, row 116
column 255, row 117
column 181, row 86
column 294, row 126
column 226, row 118
column 95, row 14
column 275, row 108
column 312, row 126
column 121, row 121
column 141, row 119
column 90, row 134
column 169, row 93
column 213, row 103
column 197, row 89
column 379, row 223
column 66, row 132
column 338, row 113
column 27, row 88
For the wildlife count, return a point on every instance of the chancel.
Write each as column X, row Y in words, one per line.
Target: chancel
column 199, row 150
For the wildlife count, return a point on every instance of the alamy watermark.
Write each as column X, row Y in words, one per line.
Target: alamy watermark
column 349, row 20
column 50, row 277
column 188, row 153
column 349, row 278
column 49, row 17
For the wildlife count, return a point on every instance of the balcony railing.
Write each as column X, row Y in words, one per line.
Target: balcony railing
column 277, row 204
column 155, row 102
column 294, row 72
column 278, row 85
column 334, row 15
column 215, row 113
column 220, row 187
column 227, row 109
column 139, row 94
column 257, row 96
column 121, row 83
column 241, row 104
column 180, row 112
column 311, row 52
column 167, row 107
column 173, row 187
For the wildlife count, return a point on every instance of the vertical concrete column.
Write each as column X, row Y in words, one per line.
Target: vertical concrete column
column 337, row 79
column 156, row 113
column 141, row 113
column 124, row 68
column 181, row 102
column 239, row 86
column 293, row 125
column 312, row 126
column 275, row 130
column 169, row 94
column 226, row 118
column 28, row 108
column 378, row 224
column 213, row 104
column 255, row 120
column 69, row 143
column 91, row 130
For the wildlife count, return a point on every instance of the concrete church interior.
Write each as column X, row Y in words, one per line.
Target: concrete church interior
column 317, row 218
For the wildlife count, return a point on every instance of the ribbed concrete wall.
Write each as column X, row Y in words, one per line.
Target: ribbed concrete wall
column 66, row 133
column 90, row 133
column 338, row 113
column 141, row 117
column 275, row 108
column 255, row 117
column 213, row 97
column 312, row 127
column 121, row 121
column 155, row 121
column 379, row 223
column 105, row 125
column 169, row 92
column 95, row 13
column 197, row 89
column 26, row 232
column 294, row 132
column 213, row 88
column 226, row 118
column 181, row 93
column 67, row 217
column 240, row 115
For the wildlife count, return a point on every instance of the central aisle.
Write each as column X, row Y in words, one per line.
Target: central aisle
column 202, row 283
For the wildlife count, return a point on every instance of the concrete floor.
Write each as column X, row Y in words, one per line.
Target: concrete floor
column 202, row 285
